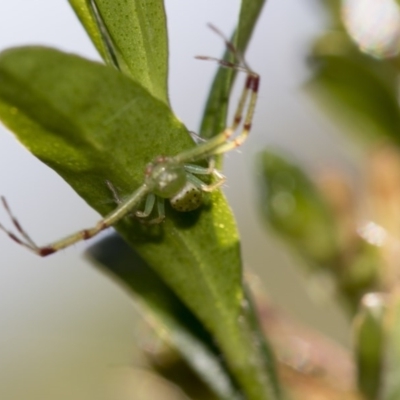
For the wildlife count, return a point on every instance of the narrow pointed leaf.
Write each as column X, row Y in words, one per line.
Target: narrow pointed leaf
column 369, row 338
column 357, row 97
column 295, row 210
column 84, row 12
column 136, row 32
column 392, row 353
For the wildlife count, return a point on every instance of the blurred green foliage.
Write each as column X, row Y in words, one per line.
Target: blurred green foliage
column 351, row 234
column 295, row 208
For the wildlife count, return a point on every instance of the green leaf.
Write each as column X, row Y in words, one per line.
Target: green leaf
column 132, row 35
column 355, row 94
column 392, row 347
column 294, row 208
column 334, row 12
column 216, row 109
column 91, row 123
column 369, row 338
column 85, row 13
column 170, row 318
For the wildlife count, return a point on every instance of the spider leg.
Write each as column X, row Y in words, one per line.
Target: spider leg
column 161, row 208
column 196, row 137
column 17, row 225
column 160, row 211
column 28, row 243
column 148, row 207
column 199, row 170
column 251, row 91
column 223, row 142
column 114, row 192
column 203, row 186
column 230, row 46
column 122, row 210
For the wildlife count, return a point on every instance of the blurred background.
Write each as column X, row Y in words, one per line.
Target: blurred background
column 67, row 331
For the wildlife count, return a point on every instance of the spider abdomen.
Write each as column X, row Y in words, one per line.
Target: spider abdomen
column 189, row 198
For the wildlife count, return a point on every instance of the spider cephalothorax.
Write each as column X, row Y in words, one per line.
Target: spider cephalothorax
column 165, row 177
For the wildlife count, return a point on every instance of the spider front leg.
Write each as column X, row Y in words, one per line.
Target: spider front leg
column 193, row 170
column 151, row 201
column 110, row 219
column 223, row 142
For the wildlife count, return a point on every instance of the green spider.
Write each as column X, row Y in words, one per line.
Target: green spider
column 172, row 178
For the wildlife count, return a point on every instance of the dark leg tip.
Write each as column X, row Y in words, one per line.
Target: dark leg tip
column 45, row 251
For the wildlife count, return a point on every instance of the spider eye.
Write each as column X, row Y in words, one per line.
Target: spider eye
column 188, row 199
